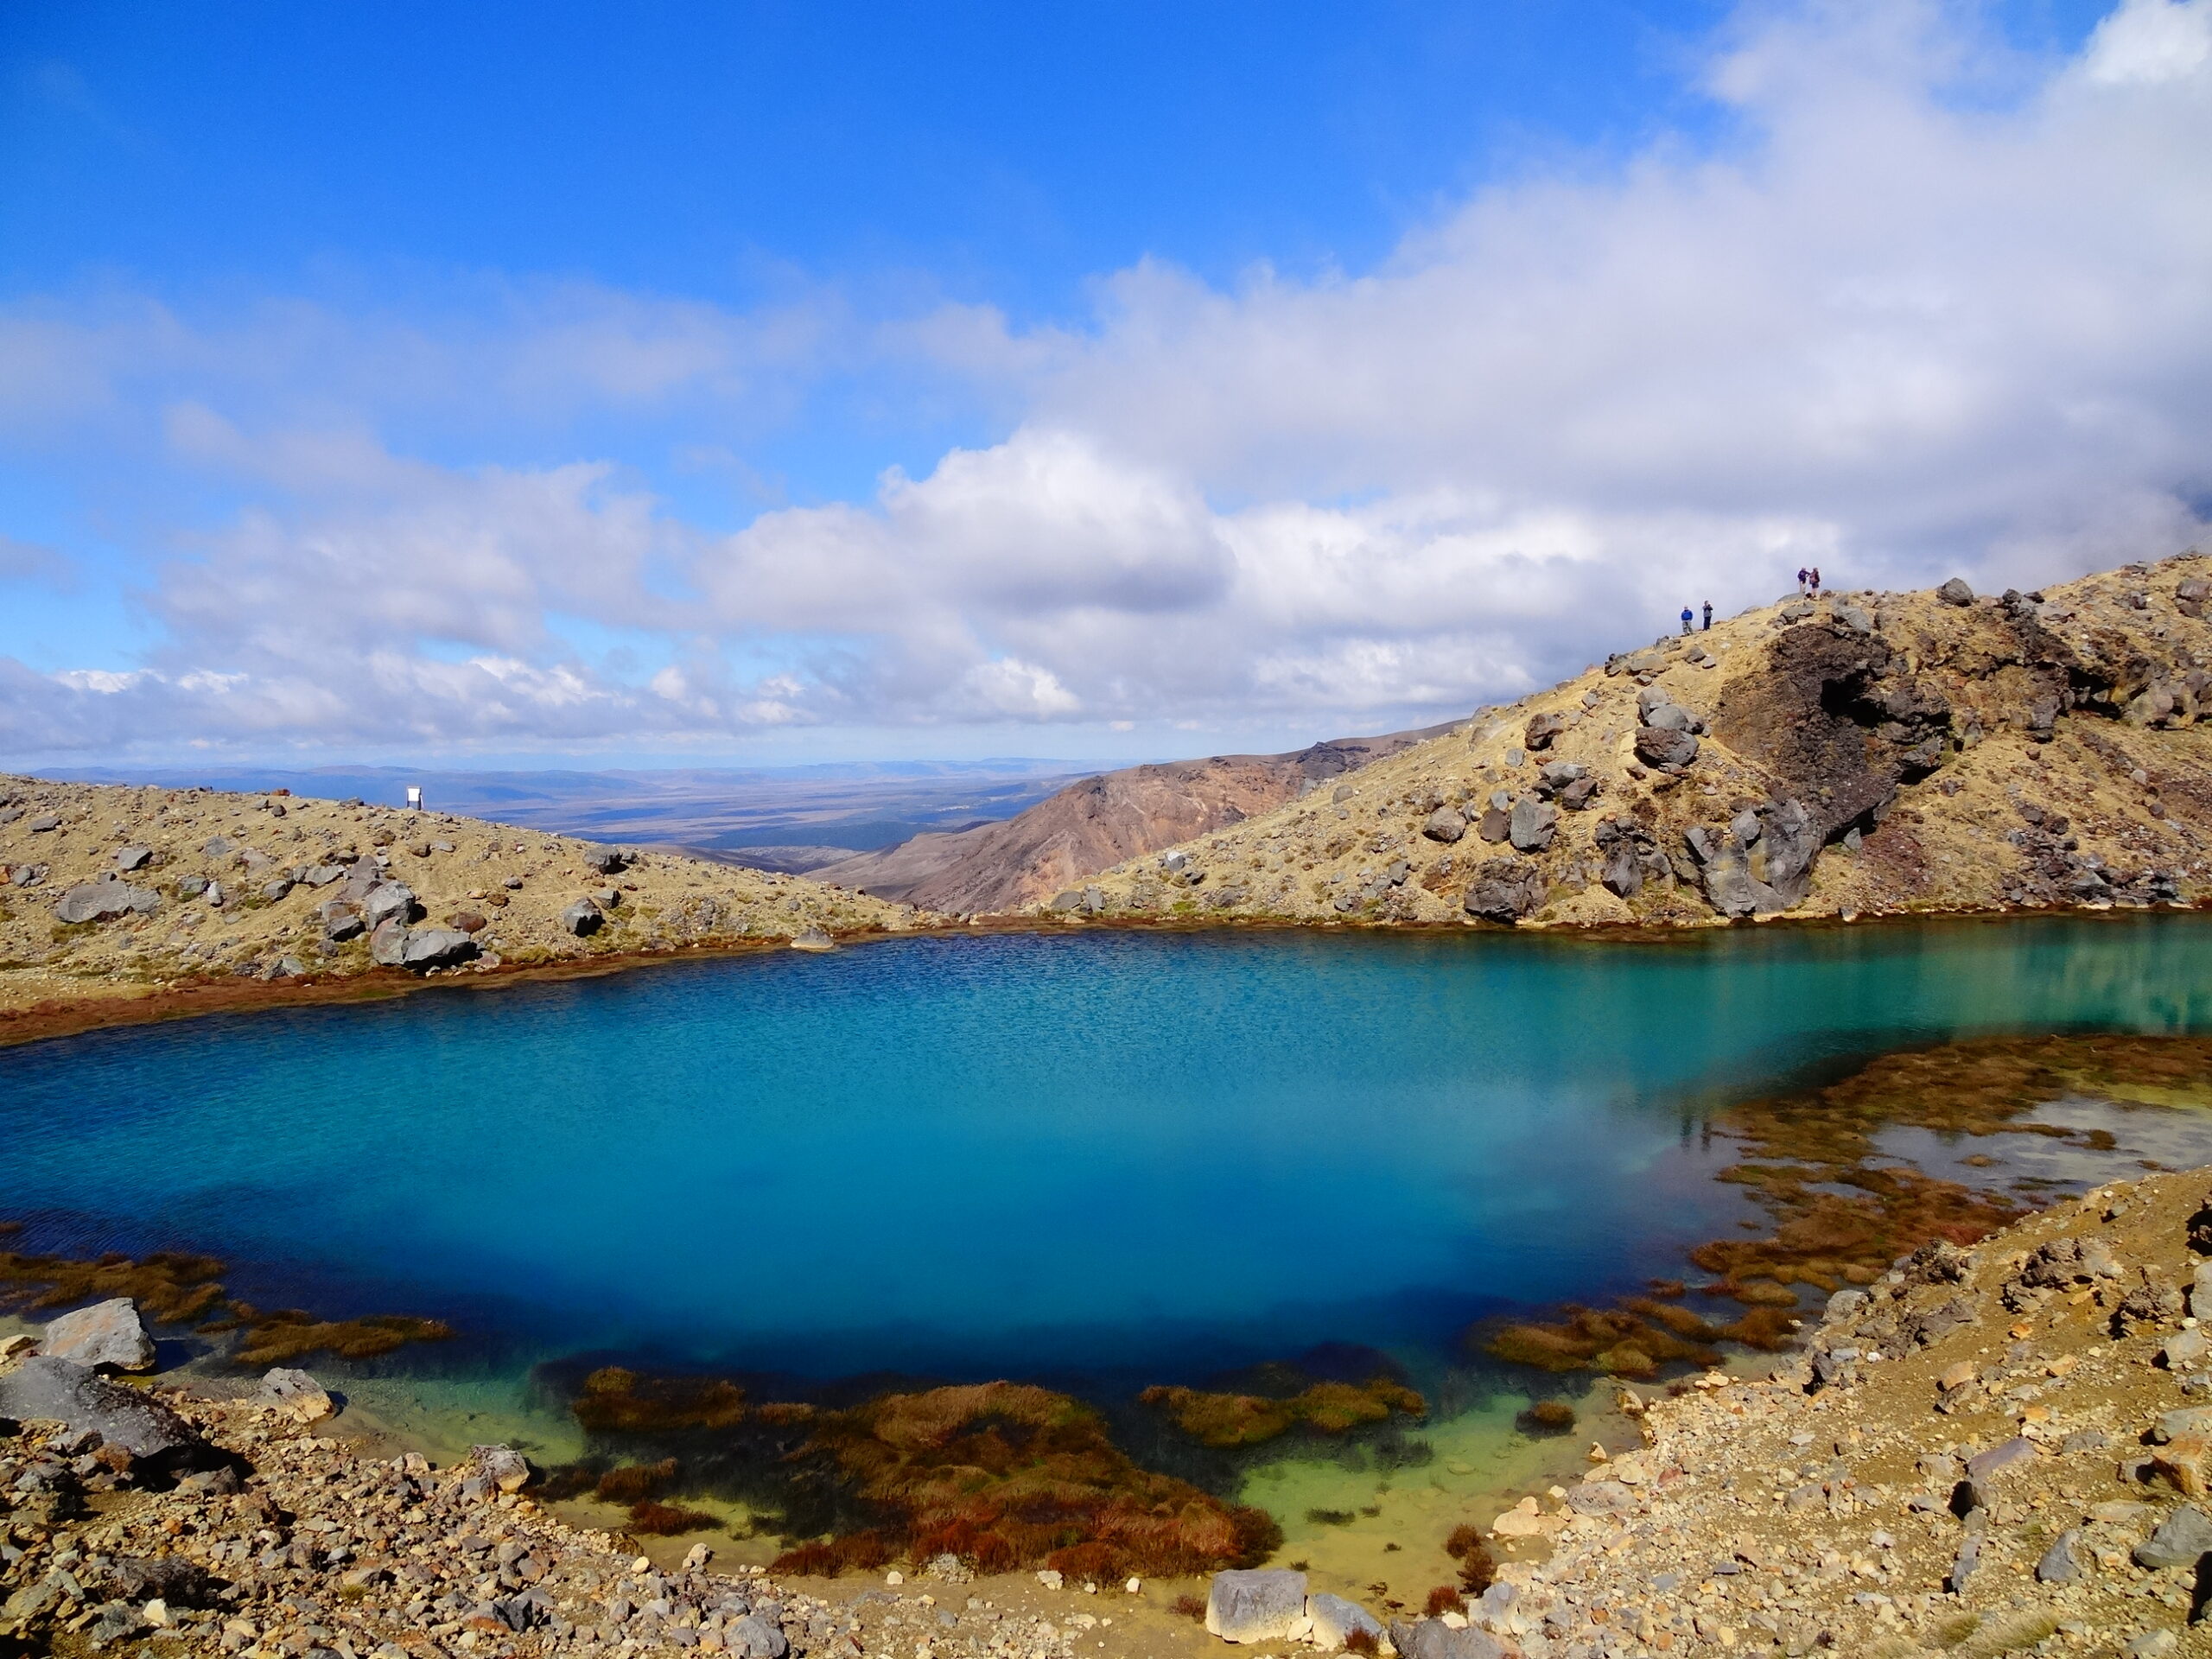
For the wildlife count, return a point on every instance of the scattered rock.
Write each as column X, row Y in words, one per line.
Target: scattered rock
column 582, row 918
column 425, row 948
column 296, row 1393
column 1955, row 592
column 2182, row 1540
column 1260, row 1604
column 1444, row 825
column 105, row 900
column 1335, row 1619
column 1504, row 890
column 44, row 1387
column 108, row 1336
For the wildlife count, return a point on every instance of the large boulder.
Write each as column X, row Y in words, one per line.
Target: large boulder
column 1955, row 592
column 1540, row 730
column 1335, row 1619
column 104, row 900
column 502, row 1466
column 295, row 1392
column 1533, row 824
column 80, row 1398
column 1445, row 825
column 388, row 945
column 426, row 948
column 1761, row 864
column 1259, row 1605
column 607, row 861
column 2183, row 1539
column 342, row 920
column 1432, row 1638
column 1504, row 890
column 582, row 918
column 108, row 1336
column 388, row 901
column 1665, row 747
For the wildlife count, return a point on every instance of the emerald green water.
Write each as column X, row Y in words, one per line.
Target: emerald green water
column 1041, row 1154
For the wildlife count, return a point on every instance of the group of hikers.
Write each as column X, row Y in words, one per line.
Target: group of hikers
column 1809, row 587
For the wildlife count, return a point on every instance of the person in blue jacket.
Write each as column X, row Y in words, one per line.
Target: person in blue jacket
column 1689, row 617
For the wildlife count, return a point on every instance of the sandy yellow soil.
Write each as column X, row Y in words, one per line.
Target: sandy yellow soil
column 2039, row 750
column 506, row 887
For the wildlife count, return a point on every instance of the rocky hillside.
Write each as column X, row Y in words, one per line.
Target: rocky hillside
column 1001, row 868
column 1865, row 753
column 1994, row 1450
column 108, row 891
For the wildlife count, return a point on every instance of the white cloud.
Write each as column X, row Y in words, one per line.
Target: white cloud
column 1927, row 309
column 2152, row 40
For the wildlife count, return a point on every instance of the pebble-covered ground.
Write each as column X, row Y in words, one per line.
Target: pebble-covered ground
column 109, row 891
column 1976, row 1469
column 302, row 1544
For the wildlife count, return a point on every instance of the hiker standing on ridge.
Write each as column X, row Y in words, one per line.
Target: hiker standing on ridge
column 1708, row 616
column 1687, row 619
column 1802, row 576
column 1816, row 581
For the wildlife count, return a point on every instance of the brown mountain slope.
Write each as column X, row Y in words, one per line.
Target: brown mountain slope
column 998, row 868
column 1867, row 753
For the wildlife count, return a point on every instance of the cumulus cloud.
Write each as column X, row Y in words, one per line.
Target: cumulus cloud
column 1922, row 310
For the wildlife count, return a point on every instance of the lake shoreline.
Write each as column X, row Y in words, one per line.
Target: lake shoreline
column 120, row 1007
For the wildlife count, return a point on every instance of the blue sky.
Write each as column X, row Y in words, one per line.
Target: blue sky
column 784, row 383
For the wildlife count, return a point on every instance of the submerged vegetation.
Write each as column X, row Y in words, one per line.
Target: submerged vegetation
column 1840, row 1214
column 173, row 1287
column 1231, row 1420
column 1008, row 1476
column 1002, row 1475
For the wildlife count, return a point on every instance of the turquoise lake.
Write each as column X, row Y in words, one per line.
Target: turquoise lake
column 1162, row 1154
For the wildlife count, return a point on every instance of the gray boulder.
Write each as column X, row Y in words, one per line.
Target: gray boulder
column 388, row 901
column 1432, row 1638
column 388, row 945
column 425, row 948
column 1955, row 592
column 1533, row 823
column 2059, row 1564
column 1666, row 749
column 1335, row 1619
column 503, row 1466
column 607, row 861
column 80, row 1399
column 1601, row 1497
column 272, row 891
column 1445, row 825
column 322, row 875
column 1541, row 729
column 1496, row 825
column 133, row 858
column 342, row 920
column 2183, row 1539
column 1504, row 891
column 43, row 823
column 1260, row 1604
column 753, row 1637
column 108, row 1336
column 104, row 900
column 1762, row 863
column 295, row 1392
column 582, row 918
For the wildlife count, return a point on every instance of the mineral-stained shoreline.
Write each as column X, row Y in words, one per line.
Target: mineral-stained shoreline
column 1998, row 1450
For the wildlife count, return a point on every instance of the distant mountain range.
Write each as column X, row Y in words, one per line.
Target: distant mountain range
column 791, row 818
